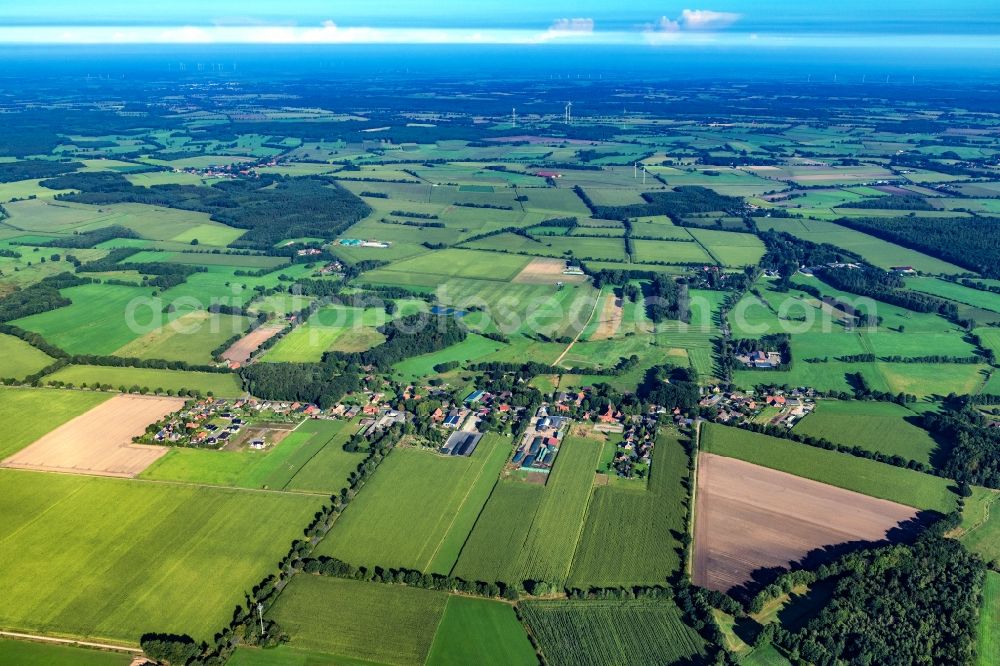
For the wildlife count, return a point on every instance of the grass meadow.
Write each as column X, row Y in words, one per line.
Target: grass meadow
column 28, row 413
column 221, row 384
column 980, row 530
column 18, row 359
column 875, row 426
column 868, row 477
column 417, row 511
column 95, row 323
column 310, row 459
column 140, row 557
column 191, row 338
column 376, row 623
column 26, row 653
column 988, row 646
column 480, row 631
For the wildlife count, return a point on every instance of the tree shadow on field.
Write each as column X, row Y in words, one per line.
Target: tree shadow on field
column 903, row 532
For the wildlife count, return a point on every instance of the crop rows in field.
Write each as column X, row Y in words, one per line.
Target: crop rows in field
column 419, row 508
column 531, row 532
column 595, row 633
column 629, row 538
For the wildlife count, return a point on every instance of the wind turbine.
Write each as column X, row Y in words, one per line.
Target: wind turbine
column 569, row 112
column 513, row 117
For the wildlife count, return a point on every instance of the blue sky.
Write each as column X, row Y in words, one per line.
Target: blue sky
column 831, row 23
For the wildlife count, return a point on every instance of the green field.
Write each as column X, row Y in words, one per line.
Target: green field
column 452, row 263
column 97, row 321
column 416, row 512
column 473, row 348
column 482, row 632
column 310, row 459
column 382, row 624
column 18, row 359
column 327, row 329
column 629, row 537
column 25, row 653
column 988, row 645
column 190, row 338
column 875, row 426
column 612, row 632
column 140, row 556
column 47, row 408
column 980, row 530
column 528, row 531
column 222, row 384
column 904, row 486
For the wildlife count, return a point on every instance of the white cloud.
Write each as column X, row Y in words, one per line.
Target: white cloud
column 706, row 19
column 565, row 28
column 572, row 25
column 693, row 19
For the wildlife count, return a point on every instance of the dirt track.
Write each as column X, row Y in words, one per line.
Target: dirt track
column 100, row 440
column 749, row 517
column 542, row 270
column 243, row 349
column 611, row 318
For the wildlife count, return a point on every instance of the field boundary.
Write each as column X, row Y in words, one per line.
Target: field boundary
column 38, row 638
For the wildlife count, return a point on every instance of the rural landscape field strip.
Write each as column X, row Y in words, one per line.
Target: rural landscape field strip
column 49, row 409
column 480, row 631
column 868, row 477
column 142, row 556
column 629, row 533
column 100, row 440
column 391, row 524
column 611, row 632
column 528, row 531
column 388, row 624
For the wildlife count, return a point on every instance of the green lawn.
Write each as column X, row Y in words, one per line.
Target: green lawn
column 530, row 531
column 26, row 653
column 140, row 556
column 28, row 413
column 310, row 459
column 18, row 359
column 382, row 624
column 876, row 426
column 629, row 537
column 223, row 384
column 479, row 631
column 612, row 632
column 418, row 509
column 988, row 645
column 915, row 489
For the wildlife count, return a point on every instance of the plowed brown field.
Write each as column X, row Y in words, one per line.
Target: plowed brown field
column 749, row 517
